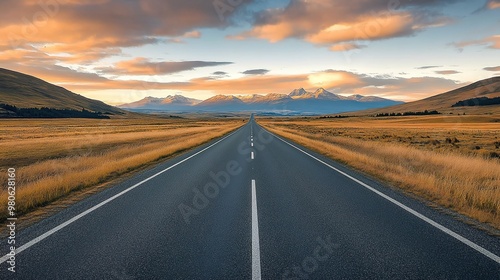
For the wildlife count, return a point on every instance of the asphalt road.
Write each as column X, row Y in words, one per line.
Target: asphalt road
column 251, row 206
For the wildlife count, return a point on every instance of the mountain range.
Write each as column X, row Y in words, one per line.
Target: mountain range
column 299, row 101
column 25, row 91
column 173, row 102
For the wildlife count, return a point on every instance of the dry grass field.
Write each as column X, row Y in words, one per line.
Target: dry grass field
column 449, row 160
column 53, row 158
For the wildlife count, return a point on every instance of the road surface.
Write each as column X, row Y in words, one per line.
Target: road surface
column 251, row 206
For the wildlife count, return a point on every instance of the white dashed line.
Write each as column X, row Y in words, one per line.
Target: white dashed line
column 256, row 273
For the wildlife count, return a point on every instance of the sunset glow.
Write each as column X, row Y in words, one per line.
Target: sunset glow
column 122, row 51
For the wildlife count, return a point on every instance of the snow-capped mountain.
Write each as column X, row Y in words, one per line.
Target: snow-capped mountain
column 180, row 99
column 320, row 101
column 298, row 92
column 363, row 98
column 268, row 98
column 320, row 93
column 155, row 103
column 221, row 99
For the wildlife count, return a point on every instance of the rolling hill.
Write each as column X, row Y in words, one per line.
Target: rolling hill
column 446, row 102
column 25, row 91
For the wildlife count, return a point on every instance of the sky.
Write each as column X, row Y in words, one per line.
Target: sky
column 120, row 51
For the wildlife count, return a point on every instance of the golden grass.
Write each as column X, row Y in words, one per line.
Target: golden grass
column 53, row 161
column 466, row 135
column 466, row 182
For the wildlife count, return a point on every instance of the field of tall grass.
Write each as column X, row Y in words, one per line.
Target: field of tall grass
column 457, row 178
column 53, row 158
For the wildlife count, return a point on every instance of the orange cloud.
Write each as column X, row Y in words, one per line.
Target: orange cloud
column 492, row 42
column 345, row 47
column 493, row 4
column 335, row 21
column 192, row 34
column 334, row 79
column 93, row 29
column 250, row 84
column 272, row 32
column 369, row 28
column 34, row 62
column 406, row 89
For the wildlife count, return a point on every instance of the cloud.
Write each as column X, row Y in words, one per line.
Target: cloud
column 492, row 42
column 250, row 84
column 327, row 22
column 446, row 72
column 346, row 47
column 62, row 76
column 395, row 26
column 84, row 29
column 143, row 66
column 493, row 68
column 219, row 73
column 188, row 35
column 400, row 88
column 192, row 34
column 405, row 89
column 335, row 79
column 255, row 72
column 493, row 4
column 427, row 67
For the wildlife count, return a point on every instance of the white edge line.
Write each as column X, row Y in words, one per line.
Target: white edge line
column 453, row 234
column 84, row 213
column 256, row 272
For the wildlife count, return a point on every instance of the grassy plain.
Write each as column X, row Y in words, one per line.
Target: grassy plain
column 56, row 157
column 449, row 160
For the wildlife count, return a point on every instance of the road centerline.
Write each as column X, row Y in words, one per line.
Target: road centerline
column 256, row 271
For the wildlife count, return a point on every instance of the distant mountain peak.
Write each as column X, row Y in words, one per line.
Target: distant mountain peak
column 224, row 97
column 299, row 100
column 322, row 93
column 180, row 99
column 220, row 98
column 298, row 92
column 276, row 96
column 363, row 98
column 151, row 99
column 150, row 102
